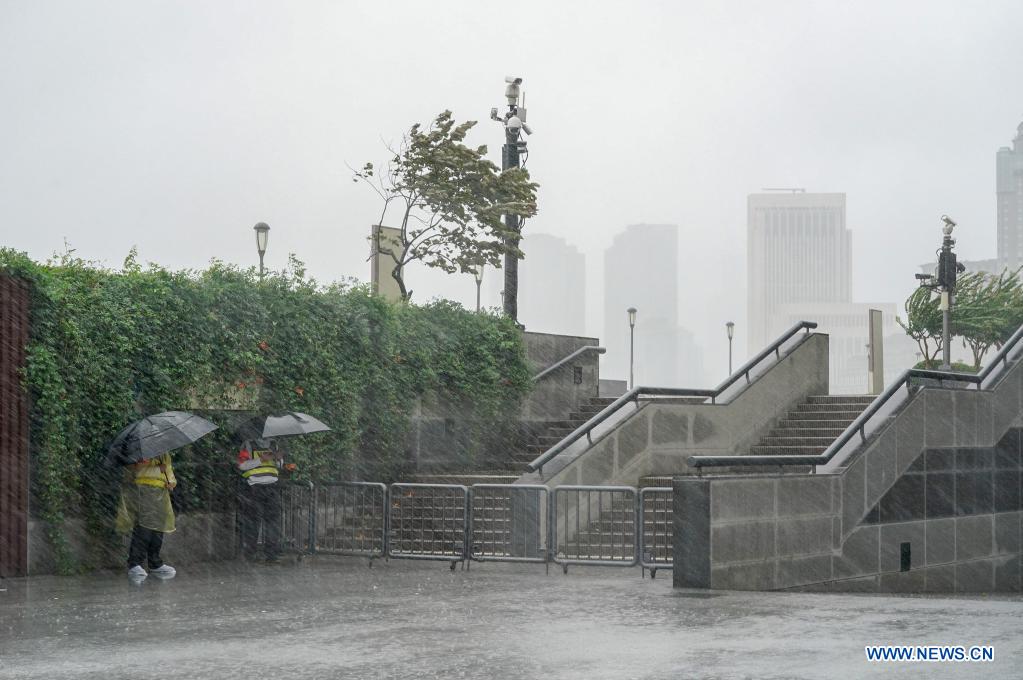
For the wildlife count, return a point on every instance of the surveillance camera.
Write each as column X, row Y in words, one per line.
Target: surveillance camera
column 514, row 123
column 512, row 94
column 513, row 80
column 948, row 220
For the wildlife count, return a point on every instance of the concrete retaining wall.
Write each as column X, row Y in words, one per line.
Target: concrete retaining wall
column 200, row 537
column 657, row 438
column 439, row 437
column 931, row 504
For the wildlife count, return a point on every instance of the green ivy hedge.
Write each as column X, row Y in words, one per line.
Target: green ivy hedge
column 107, row 346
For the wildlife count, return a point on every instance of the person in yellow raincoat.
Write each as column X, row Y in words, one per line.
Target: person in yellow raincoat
column 145, row 512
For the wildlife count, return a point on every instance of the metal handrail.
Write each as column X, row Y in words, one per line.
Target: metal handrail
column 555, row 366
column 859, row 425
column 634, row 394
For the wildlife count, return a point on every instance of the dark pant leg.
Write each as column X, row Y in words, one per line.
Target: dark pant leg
column 271, row 515
column 137, row 551
column 248, row 519
column 153, row 548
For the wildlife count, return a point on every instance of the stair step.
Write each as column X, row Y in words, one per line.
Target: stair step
column 465, row 480
column 840, row 406
column 773, row 440
column 654, row 481
column 812, row 428
column 831, row 425
column 787, row 450
column 847, row 416
column 849, row 398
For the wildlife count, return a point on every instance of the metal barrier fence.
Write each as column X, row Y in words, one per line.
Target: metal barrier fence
column 297, row 527
column 594, row 525
column 657, row 517
column 507, row 523
column 351, row 519
column 428, row 522
column 586, row 525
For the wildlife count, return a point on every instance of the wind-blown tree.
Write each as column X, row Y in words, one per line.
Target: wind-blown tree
column 923, row 323
column 987, row 309
column 448, row 201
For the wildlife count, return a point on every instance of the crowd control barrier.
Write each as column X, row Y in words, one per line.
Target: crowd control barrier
column 619, row 526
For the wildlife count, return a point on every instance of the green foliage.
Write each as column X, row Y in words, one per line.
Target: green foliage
column 449, row 201
column 108, row 347
column 923, row 322
column 957, row 366
column 987, row 310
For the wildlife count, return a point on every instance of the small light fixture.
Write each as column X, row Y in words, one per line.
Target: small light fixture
column 262, row 230
column 730, row 327
column 632, row 316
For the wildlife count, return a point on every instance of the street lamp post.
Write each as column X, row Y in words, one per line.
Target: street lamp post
column 262, row 230
column 632, row 343
column 477, row 273
column 730, row 329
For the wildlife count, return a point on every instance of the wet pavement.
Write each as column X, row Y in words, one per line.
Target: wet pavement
column 336, row 618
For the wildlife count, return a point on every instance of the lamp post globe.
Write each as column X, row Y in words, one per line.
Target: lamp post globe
column 262, row 230
column 730, row 329
column 632, row 343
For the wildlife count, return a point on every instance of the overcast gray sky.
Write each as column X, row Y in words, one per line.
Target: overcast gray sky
column 175, row 126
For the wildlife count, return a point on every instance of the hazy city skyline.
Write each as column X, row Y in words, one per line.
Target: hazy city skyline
column 175, row 128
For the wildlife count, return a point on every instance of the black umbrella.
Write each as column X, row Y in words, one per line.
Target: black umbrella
column 287, row 424
column 157, row 434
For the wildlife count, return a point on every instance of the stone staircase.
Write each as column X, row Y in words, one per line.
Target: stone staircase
column 509, row 469
column 813, row 426
column 611, row 536
column 556, row 431
column 808, row 430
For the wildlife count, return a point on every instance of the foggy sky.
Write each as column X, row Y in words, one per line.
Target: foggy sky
column 176, row 126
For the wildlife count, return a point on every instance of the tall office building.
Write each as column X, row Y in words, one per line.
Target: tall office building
column 552, row 286
column 798, row 251
column 641, row 270
column 1009, row 191
column 800, row 268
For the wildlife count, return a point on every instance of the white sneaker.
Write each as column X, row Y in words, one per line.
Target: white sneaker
column 165, row 571
column 137, row 574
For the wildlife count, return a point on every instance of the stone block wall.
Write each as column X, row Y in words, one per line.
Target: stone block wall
column 932, row 503
column 200, row 537
column 439, row 438
column 658, row 438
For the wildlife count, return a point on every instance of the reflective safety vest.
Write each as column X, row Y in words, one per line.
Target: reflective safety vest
column 156, row 472
column 259, row 465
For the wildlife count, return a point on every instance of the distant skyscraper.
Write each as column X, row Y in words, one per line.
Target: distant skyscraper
column 798, row 251
column 1009, row 191
column 552, row 286
column 641, row 271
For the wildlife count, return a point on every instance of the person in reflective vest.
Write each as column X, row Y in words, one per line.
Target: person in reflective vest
column 145, row 512
column 259, row 501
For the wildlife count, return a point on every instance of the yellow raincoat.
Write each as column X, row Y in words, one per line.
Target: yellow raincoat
column 145, row 496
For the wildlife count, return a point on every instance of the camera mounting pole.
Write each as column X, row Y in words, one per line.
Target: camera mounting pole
column 948, row 269
column 514, row 121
